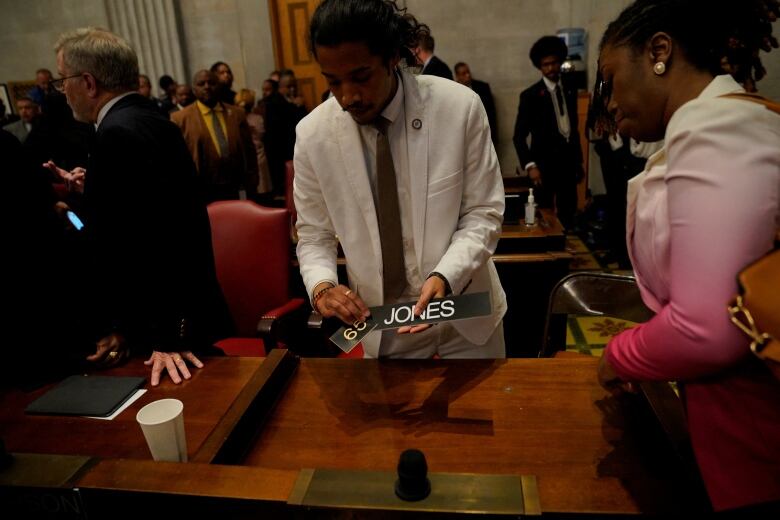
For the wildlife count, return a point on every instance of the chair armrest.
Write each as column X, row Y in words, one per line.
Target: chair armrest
column 266, row 322
column 315, row 320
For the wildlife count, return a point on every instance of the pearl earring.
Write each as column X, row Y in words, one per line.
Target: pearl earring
column 659, row 68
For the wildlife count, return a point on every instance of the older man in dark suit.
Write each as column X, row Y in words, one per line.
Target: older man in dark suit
column 151, row 282
column 219, row 140
column 548, row 113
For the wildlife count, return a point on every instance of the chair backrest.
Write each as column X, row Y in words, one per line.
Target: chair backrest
column 289, row 177
column 252, row 255
column 591, row 294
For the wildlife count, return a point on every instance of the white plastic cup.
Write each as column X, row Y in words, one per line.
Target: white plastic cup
column 163, row 425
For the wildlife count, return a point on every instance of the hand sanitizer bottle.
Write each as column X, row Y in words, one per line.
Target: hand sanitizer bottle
column 530, row 209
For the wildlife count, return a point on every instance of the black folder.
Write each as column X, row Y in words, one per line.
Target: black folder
column 86, row 395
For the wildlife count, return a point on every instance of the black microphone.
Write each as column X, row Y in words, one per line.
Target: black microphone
column 412, row 484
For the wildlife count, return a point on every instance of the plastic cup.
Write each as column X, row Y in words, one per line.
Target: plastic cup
column 163, row 425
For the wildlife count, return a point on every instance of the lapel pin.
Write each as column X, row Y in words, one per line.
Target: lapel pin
column 416, row 124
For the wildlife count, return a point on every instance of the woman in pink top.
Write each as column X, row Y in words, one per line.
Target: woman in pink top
column 707, row 205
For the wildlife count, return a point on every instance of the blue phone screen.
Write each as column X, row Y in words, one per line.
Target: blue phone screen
column 75, row 220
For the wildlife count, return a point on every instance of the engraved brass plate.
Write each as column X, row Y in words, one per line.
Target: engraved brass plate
column 45, row 471
column 450, row 492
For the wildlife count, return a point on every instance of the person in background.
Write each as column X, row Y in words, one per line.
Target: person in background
column 184, row 97
column 431, row 64
column 220, row 142
column 706, row 205
column 149, row 283
column 224, row 74
column 41, row 89
column 145, row 89
column 463, row 76
column 28, row 117
column 168, row 87
column 547, row 112
column 246, row 99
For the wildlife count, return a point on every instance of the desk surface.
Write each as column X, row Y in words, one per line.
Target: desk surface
column 206, row 397
column 542, row 417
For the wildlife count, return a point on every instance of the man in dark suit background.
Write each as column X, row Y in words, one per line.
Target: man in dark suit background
column 149, row 282
column 548, row 113
column 431, row 64
column 463, row 76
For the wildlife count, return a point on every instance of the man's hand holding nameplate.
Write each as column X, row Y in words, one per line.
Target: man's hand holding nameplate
column 401, row 315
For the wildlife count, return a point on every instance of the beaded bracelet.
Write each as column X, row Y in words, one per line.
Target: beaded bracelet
column 319, row 295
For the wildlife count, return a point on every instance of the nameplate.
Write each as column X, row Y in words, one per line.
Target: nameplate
column 398, row 315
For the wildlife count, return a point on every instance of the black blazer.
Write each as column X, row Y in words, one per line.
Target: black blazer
column 151, row 274
column 483, row 91
column 548, row 149
column 436, row 67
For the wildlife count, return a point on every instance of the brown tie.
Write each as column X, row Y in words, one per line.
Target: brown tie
column 393, row 271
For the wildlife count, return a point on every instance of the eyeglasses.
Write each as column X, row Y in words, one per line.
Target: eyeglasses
column 59, row 83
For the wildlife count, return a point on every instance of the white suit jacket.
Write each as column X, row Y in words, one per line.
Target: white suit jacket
column 457, row 198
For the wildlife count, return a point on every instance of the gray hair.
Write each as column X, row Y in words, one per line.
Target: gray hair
column 108, row 57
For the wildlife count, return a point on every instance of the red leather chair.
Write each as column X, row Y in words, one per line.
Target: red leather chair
column 289, row 176
column 252, row 255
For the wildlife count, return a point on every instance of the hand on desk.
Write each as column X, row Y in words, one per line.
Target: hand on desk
column 174, row 362
column 611, row 381
column 432, row 288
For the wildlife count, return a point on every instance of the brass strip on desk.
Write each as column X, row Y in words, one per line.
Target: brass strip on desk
column 301, row 486
column 531, row 495
column 450, row 492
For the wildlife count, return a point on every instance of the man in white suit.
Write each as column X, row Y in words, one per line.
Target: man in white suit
column 426, row 230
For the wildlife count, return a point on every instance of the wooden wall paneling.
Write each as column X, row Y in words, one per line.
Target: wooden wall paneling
column 290, row 29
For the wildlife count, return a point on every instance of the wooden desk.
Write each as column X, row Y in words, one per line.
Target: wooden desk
column 530, row 261
column 543, row 417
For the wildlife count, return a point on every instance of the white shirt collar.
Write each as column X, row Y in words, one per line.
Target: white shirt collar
column 108, row 106
column 425, row 64
column 393, row 109
column 550, row 85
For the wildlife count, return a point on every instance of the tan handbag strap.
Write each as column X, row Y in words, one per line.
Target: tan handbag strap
column 755, row 98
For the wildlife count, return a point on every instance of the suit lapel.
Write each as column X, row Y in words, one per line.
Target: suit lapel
column 417, row 128
column 233, row 137
column 354, row 166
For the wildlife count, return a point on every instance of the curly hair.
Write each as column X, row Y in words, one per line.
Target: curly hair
column 388, row 30
column 548, row 46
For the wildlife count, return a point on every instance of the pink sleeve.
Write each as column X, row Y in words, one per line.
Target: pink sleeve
column 723, row 184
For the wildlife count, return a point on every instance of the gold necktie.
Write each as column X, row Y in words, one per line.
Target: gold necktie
column 223, row 150
column 393, row 270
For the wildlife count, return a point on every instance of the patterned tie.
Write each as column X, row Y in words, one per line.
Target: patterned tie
column 559, row 97
column 220, row 135
column 393, row 270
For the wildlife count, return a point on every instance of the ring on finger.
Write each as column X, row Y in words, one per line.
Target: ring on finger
column 348, row 292
column 113, row 354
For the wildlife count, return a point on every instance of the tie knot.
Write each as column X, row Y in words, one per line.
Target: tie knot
column 382, row 124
